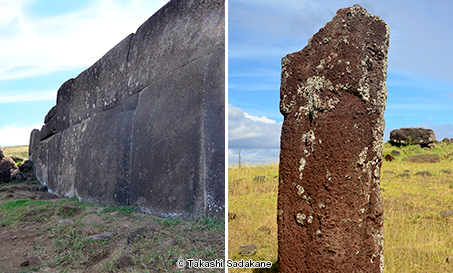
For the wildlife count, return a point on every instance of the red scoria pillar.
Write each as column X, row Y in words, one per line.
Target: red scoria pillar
column 333, row 95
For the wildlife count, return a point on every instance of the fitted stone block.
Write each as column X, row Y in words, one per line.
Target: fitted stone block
column 333, row 96
column 144, row 126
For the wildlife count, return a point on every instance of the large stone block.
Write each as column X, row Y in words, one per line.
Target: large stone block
column 167, row 165
column 333, row 96
column 168, row 33
column 406, row 136
column 214, row 142
column 144, row 126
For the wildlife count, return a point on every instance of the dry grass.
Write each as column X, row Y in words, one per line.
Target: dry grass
column 417, row 238
column 19, row 151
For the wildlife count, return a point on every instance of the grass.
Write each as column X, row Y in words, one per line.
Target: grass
column 18, row 151
column 71, row 251
column 417, row 238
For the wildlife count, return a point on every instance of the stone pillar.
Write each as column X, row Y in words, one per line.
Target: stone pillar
column 333, row 95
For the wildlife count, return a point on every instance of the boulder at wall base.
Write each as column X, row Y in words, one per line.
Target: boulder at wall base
column 424, row 158
column 7, row 166
column 406, row 136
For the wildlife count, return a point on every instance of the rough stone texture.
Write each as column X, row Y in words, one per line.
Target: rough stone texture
column 7, row 167
column 144, row 126
column 405, row 136
column 424, row 158
column 2, row 154
column 333, row 96
column 389, row 157
column 446, row 213
column 248, row 250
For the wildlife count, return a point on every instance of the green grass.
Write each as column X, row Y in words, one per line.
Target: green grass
column 417, row 238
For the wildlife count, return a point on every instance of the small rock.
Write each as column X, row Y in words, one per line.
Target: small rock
column 26, row 167
column 92, row 219
column 124, row 261
column 424, row 173
column 248, row 250
column 449, row 259
column 82, row 231
column 47, row 196
column 395, row 153
column 151, row 224
column 446, row 171
column 446, row 140
column 66, row 222
column 423, row 158
column 407, row 171
column 264, row 229
column 33, row 212
column 90, row 210
column 392, row 172
column 25, row 263
column 260, row 178
column 446, row 213
column 101, row 237
column 404, row 175
column 432, row 146
column 138, row 233
column 170, row 242
column 31, row 261
column 231, row 215
column 17, row 159
column 116, row 213
column 68, row 209
column 389, row 157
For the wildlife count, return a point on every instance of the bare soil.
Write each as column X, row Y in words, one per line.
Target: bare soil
column 40, row 232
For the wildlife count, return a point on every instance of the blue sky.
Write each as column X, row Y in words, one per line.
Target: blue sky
column 261, row 32
column 43, row 43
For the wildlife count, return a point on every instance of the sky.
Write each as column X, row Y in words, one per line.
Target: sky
column 262, row 32
column 43, row 43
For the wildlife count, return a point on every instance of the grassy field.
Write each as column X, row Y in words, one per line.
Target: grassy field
column 417, row 238
column 19, row 151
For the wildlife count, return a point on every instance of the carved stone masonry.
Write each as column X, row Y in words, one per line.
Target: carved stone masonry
column 333, row 96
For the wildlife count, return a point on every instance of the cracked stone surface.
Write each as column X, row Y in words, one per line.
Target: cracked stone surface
column 143, row 126
column 333, row 96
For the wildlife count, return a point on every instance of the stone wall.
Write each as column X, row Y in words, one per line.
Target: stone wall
column 144, row 126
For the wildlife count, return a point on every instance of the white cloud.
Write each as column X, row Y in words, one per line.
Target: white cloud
column 258, row 138
column 251, row 132
column 37, row 45
column 15, row 135
column 28, row 96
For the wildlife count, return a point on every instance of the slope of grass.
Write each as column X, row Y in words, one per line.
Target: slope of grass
column 417, row 238
column 19, row 151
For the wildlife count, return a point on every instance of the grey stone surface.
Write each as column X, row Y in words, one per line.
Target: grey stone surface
column 144, row 126
column 405, row 136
